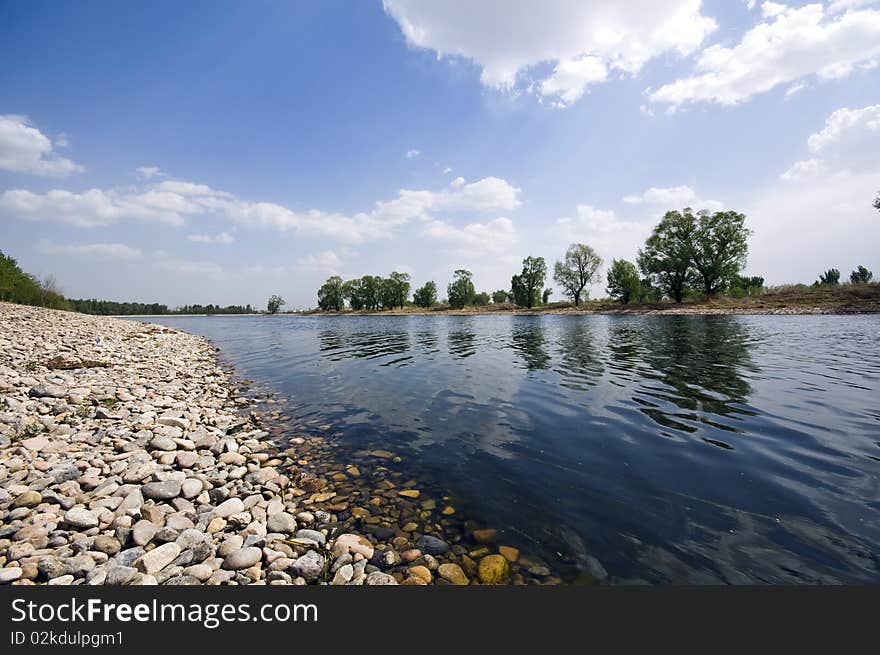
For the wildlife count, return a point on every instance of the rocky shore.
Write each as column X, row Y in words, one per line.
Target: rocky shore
column 128, row 456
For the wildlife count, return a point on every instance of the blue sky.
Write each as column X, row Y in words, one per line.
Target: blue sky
column 192, row 152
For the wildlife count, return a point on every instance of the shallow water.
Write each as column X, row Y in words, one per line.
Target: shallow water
column 685, row 449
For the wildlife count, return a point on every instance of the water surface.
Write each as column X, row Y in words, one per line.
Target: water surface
column 685, row 449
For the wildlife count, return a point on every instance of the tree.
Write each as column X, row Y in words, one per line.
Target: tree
column 528, row 284
column 370, row 288
column 330, row 296
column 426, row 296
column 719, row 248
column 877, row 202
column 461, row 290
column 481, row 299
column 353, row 292
column 275, row 303
column 545, row 297
column 577, row 270
column 397, row 286
column 500, row 296
column 666, row 258
column 623, row 281
column 861, row 275
column 830, row 277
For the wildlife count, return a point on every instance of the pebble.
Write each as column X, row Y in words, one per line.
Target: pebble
column 158, row 558
column 242, row 558
column 79, row 517
column 451, row 572
column 493, row 569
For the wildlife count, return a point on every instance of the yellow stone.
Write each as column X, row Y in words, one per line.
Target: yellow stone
column 383, row 454
column 409, row 493
column 509, row 553
column 360, row 512
column 422, row 573
column 353, row 471
column 493, row 569
column 453, row 573
column 448, row 510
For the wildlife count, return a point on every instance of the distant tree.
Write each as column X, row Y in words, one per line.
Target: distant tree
column 426, row 296
column 461, row 291
column 545, row 297
column 370, row 288
column 861, row 275
column 353, row 292
column 528, row 284
column 623, row 281
column 877, row 203
column 719, row 248
column 829, row 277
column 330, row 296
column 481, row 299
column 577, row 270
column 500, row 296
column 648, row 292
column 400, row 286
column 667, row 256
column 275, row 303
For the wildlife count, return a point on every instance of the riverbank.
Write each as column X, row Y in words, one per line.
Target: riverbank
column 128, row 455
column 791, row 299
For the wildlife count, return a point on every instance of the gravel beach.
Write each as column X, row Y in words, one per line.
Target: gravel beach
column 128, row 456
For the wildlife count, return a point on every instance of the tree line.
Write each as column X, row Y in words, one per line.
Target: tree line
column 113, row 308
column 25, row 289
column 687, row 252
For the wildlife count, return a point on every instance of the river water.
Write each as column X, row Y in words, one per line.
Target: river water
column 674, row 449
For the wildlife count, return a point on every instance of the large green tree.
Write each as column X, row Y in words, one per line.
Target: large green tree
column 861, row 275
column 394, row 290
column 330, row 296
column 577, row 270
column 830, row 277
column 353, row 292
column 623, row 281
column 275, row 303
column 719, row 248
column 528, row 284
column 426, row 295
column 666, row 257
column 370, row 288
column 500, row 296
column 461, row 290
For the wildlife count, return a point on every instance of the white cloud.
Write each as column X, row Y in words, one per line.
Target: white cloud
column 223, row 238
column 802, row 169
column 149, row 172
column 822, row 209
column 323, row 262
column 447, row 170
column 571, row 77
column 672, row 198
column 412, row 153
column 172, row 201
column 100, row 250
column 166, row 262
column 849, row 142
column 497, row 236
column 580, row 37
column 25, row 149
column 788, row 46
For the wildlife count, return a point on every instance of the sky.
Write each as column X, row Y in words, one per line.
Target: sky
column 221, row 152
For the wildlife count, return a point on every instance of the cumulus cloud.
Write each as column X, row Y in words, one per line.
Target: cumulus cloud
column 672, row 197
column 149, row 172
column 322, row 262
column 822, row 208
column 172, row 201
column 223, row 238
column 25, row 149
column 412, row 153
column 583, row 39
column 497, row 236
column 789, row 45
column 849, row 142
column 100, row 250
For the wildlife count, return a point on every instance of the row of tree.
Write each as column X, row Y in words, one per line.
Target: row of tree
column 685, row 251
column 831, row 277
column 113, row 308
column 25, row 289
